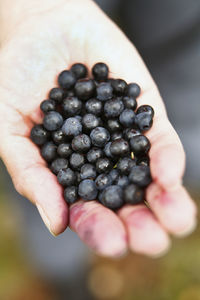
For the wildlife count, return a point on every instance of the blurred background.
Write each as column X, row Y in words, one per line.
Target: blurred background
column 35, row 265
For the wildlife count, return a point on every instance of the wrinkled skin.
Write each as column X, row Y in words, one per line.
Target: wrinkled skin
column 36, row 50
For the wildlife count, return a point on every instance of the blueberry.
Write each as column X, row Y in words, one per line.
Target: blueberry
column 59, row 164
column 49, row 151
column 140, row 175
column 113, row 108
column 71, row 106
column 52, row 121
column 130, row 103
column 144, row 121
column 133, row 90
column 139, row 144
column 58, row 137
column 78, row 177
column 99, row 136
column 88, row 171
column 119, row 86
column 102, row 181
column 100, row 71
column 104, row 91
column 85, row 89
column 107, row 150
column 66, row 79
column 116, row 135
column 143, row 161
column 89, row 122
column 114, row 125
column 57, row 94
column 119, row 147
column 39, row 135
column 114, row 174
column 87, row 190
column 103, row 165
column 122, row 181
column 72, row 127
column 130, row 132
column 71, row 194
column 125, row 164
column 48, row 105
column 64, row 150
column 66, row 177
column 76, row 161
column 145, row 108
column 127, row 118
column 94, row 154
column 112, row 197
column 133, row 194
column 79, row 70
column 94, row 106
column 81, row 143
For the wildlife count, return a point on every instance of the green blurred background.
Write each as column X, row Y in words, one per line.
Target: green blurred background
column 35, row 265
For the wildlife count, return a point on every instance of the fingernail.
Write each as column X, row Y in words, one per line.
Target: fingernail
column 45, row 219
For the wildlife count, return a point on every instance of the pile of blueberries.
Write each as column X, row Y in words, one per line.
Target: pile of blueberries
column 92, row 137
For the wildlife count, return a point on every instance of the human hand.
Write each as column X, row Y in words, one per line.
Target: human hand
column 34, row 51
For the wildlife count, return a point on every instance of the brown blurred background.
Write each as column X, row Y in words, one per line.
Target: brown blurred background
column 35, row 265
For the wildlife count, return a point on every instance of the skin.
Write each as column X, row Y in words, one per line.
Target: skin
column 38, row 43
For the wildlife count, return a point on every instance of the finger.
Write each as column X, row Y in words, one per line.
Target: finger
column 145, row 234
column 99, row 228
column 167, row 155
column 174, row 209
column 34, row 180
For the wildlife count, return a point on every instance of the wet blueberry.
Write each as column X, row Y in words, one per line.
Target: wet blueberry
column 48, row 105
column 144, row 121
column 59, row 164
column 103, row 165
column 145, row 108
column 57, row 94
column 49, row 151
column 130, row 132
column 125, row 164
column 104, row 91
column 79, row 70
column 81, row 143
column 76, row 161
column 71, row 194
column 140, row 175
column 133, row 90
column 119, row 86
column 52, row 121
column 102, row 181
column 114, row 174
column 66, row 177
column 85, row 89
column 133, row 194
column 66, row 79
column 127, row 118
column 88, row 171
column 64, row 150
column 139, row 144
column 39, row 135
column 122, row 181
column 94, row 106
column 114, row 125
column 87, row 190
column 116, row 135
column 129, row 103
column 89, row 122
column 58, row 137
column 71, row 106
column 112, row 197
column 119, row 147
column 72, row 127
column 99, row 136
column 100, row 71
column 113, row 108
column 94, row 154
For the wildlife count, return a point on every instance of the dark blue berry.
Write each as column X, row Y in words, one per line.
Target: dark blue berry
column 71, row 194
column 127, row 118
column 103, row 165
column 94, row 106
column 64, row 150
column 71, row 106
column 99, row 136
column 77, row 160
column 79, row 70
column 104, row 91
column 81, row 143
column 114, row 174
column 130, row 103
column 122, row 181
column 49, row 151
column 72, row 127
column 39, row 135
column 140, row 175
column 114, row 125
column 94, row 154
column 48, row 105
column 59, row 164
column 85, row 89
column 89, row 122
column 112, row 197
column 66, row 177
column 57, row 94
column 119, row 147
column 133, row 90
column 143, row 161
column 130, row 132
column 139, row 144
column 133, row 194
column 66, row 79
column 113, row 108
column 58, row 137
column 145, row 108
column 144, row 121
column 87, row 190
column 125, row 164
column 107, row 150
column 119, row 86
column 100, row 71
column 52, row 121
column 116, row 135
column 102, row 181
column 88, row 171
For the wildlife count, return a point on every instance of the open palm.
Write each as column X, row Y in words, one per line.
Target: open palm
column 40, row 47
